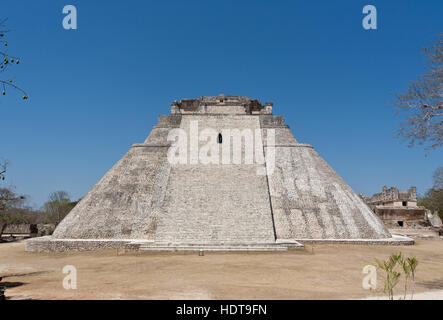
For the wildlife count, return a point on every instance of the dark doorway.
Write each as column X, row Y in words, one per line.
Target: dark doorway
column 404, row 203
column 220, row 138
column 400, row 223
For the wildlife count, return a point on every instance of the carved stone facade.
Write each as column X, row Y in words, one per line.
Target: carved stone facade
column 394, row 197
column 397, row 208
column 221, row 104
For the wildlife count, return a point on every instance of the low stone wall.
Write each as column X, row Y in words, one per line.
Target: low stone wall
column 47, row 244
column 396, row 240
column 418, row 233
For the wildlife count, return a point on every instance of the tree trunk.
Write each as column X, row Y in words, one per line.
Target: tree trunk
column 2, row 228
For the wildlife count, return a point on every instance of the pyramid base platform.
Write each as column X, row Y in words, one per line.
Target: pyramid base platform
column 396, row 240
column 49, row 244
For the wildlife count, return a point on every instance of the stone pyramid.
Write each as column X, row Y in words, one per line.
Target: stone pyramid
column 184, row 188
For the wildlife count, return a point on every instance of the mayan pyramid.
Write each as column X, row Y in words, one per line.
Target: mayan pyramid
column 156, row 197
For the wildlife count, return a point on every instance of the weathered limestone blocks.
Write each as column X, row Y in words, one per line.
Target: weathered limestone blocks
column 124, row 204
column 310, row 201
column 214, row 203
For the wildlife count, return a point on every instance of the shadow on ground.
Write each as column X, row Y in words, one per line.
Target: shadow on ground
column 9, row 285
column 436, row 284
column 25, row 274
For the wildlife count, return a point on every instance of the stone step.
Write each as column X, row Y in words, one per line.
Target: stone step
column 159, row 246
column 211, row 248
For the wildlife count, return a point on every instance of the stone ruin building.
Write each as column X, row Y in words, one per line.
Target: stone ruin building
column 397, row 208
column 18, row 231
column 147, row 202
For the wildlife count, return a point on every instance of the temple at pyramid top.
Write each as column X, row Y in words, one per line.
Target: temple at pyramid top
column 221, row 104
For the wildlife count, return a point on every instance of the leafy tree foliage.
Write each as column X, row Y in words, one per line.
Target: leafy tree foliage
column 433, row 198
column 58, row 206
column 9, row 201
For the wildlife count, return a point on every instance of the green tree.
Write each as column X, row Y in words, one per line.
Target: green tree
column 422, row 104
column 433, row 198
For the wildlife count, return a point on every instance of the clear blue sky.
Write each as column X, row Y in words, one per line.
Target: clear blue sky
column 96, row 90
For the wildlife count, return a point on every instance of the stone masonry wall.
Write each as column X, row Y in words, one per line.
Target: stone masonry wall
column 310, row 201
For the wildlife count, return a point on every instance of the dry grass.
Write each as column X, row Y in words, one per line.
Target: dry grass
column 319, row 272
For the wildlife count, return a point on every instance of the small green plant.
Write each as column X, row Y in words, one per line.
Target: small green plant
column 391, row 275
column 393, row 268
column 407, row 272
column 412, row 264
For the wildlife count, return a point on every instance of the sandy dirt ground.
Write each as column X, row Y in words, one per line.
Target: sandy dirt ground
column 318, row 272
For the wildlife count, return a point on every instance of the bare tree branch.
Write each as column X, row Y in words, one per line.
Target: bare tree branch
column 422, row 103
column 438, row 179
column 3, row 167
column 6, row 60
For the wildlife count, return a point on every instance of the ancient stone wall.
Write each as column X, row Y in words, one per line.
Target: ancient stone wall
column 393, row 196
column 395, row 216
